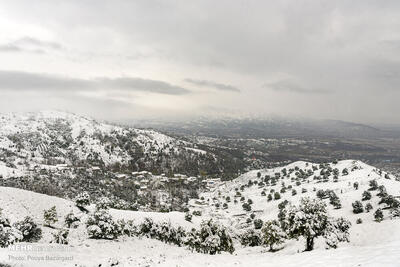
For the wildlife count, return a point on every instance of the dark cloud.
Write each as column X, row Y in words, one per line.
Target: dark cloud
column 10, row 48
column 101, row 108
column 30, row 41
column 31, row 45
column 291, row 87
column 218, row 86
column 140, row 84
column 18, row 80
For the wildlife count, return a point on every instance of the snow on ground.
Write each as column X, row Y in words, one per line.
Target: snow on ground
column 18, row 203
column 6, row 172
column 371, row 243
column 200, row 151
column 147, row 252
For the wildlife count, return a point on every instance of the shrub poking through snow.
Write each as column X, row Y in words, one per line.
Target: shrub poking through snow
column 164, row 232
column 251, row 238
column 167, row 233
column 366, row 196
column 246, row 207
column 395, row 213
column 382, row 191
column 390, row 201
column 273, row 234
column 258, row 223
column 29, row 230
column 212, row 238
column 61, row 237
column 50, row 216
column 378, row 215
column 188, row 217
column 334, row 200
column 373, row 185
column 128, row 228
column 282, row 213
column 337, row 230
column 357, row 207
column 8, row 235
column 355, row 185
column 322, row 194
column 146, row 227
column 100, row 225
column 197, row 213
column 71, row 220
column 82, row 200
column 310, row 220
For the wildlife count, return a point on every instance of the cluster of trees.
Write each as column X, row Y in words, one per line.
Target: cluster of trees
column 22, row 231
column 391, row 203
column 100, row 225
column 28, row 231
column 309, row 220
column 333, row 198
column 211, row 238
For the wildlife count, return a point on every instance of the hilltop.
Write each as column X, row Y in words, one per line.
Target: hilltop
column 293, row 182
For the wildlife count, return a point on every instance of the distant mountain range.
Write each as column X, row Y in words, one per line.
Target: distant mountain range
column 268, row 128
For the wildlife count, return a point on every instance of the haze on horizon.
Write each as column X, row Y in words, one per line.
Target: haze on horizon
column 122, row 60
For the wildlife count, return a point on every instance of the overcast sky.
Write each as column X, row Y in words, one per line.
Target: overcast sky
column 139, row 59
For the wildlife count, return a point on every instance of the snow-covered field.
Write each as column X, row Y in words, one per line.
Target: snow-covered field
column 371, row 243
column 148, row 252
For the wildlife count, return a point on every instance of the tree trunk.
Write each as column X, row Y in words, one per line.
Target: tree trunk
column 309, row 243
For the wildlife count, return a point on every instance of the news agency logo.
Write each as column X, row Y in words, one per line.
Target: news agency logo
column 21, row 247
column 38, row 248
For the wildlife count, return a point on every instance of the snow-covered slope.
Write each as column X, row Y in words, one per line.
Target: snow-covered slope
column 371, row 243
column 31, row 140
column 17, row 203
column 359, row 172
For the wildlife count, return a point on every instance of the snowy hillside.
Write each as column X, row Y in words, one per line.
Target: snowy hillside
column 63, row 154
column 28, row 140
column 307, row 186
column 17, row 204
column 371, row 243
